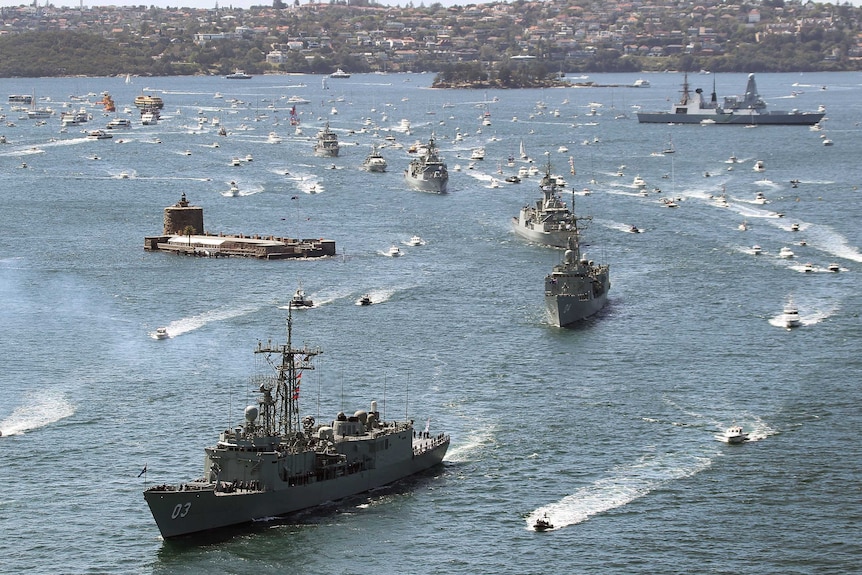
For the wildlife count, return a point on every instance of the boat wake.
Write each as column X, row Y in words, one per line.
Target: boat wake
column 624, row 485
column 476, row 443
column 43, row 410
column 829, row 241
column 812, row 318
column 185, row 325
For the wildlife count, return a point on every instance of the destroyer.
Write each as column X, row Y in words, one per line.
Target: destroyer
column 276, row 463
column 576, row 288
column 428, row 172
column 748, row 109
column 327, row 143
column 549, row 221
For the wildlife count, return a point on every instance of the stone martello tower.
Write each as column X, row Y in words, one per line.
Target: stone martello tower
column 181, row 215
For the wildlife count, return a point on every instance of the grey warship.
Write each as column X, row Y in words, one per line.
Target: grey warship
column 748, row 109
column 327, row 143
column 428, row 172
column 275, row 463
column 549, row 221
column 576, row 288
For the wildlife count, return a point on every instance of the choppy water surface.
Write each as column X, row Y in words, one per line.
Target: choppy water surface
column 608, row 428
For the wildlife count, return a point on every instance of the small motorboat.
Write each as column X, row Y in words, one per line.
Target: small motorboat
column 759, row 166
column 734, row 435
column 299, row 300
column 756, row 250
column 416, row 241
column 759, row 198
column 639, row 182
column 633, row 229
column 394, row 251
column 233, row 191
column 790, row 317
column 808, row 267
column 161, row 333
column 513, row 179
column 833, row 267
column 543, row 523
column 364, row 300
column 786, row 253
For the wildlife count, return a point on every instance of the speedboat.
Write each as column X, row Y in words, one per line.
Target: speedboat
column 790, row 317
column 161, row 333
column 794, row 227
column 759, row 166
column 233, row 191
column 759, row 198
column 734, row 435
column 416, row 241
column 834, row 267
column 299, row 300
column 394, row 251
column 478, row 154
column 364, row 300
column 543, row 523
column 808, row 267
column 786, row 253
column 756, row 250
column 633, row 229
column 639, row 182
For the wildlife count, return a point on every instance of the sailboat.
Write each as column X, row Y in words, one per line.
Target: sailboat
column 669, row 149
column 524, row 155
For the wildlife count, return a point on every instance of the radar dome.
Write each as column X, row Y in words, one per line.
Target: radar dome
column 251, row 413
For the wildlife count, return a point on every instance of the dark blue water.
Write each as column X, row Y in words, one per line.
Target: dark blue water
column 609, row 428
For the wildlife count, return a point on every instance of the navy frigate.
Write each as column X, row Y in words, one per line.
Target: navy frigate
column 748, row 109
column 275, row 463
column 428, row 172
column 576, row 288
column 549, row 221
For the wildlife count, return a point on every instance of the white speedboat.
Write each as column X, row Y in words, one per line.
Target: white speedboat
column 790, row 316
column 834, row 267
column 759, row 166
column 639, row 182
column 756, row 250
column 477, row 154
column 416, row 241
column 734, row 435
column 786, row 253
column 161, row 333
column 364, row 300
column 759, row 198
column 233, row 191
column 394, row 251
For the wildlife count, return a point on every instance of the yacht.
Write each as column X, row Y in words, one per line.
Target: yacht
column 790, row 315
column 733, row 435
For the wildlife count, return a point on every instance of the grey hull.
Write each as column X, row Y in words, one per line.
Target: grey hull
column 734, row 119
column 555, row 239
column 435, row 185
column 564, row 310
column 192, row 510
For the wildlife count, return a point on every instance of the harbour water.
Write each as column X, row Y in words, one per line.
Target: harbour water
column 608, row 428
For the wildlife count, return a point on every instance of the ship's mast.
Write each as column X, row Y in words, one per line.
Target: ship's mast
column 281, row 412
